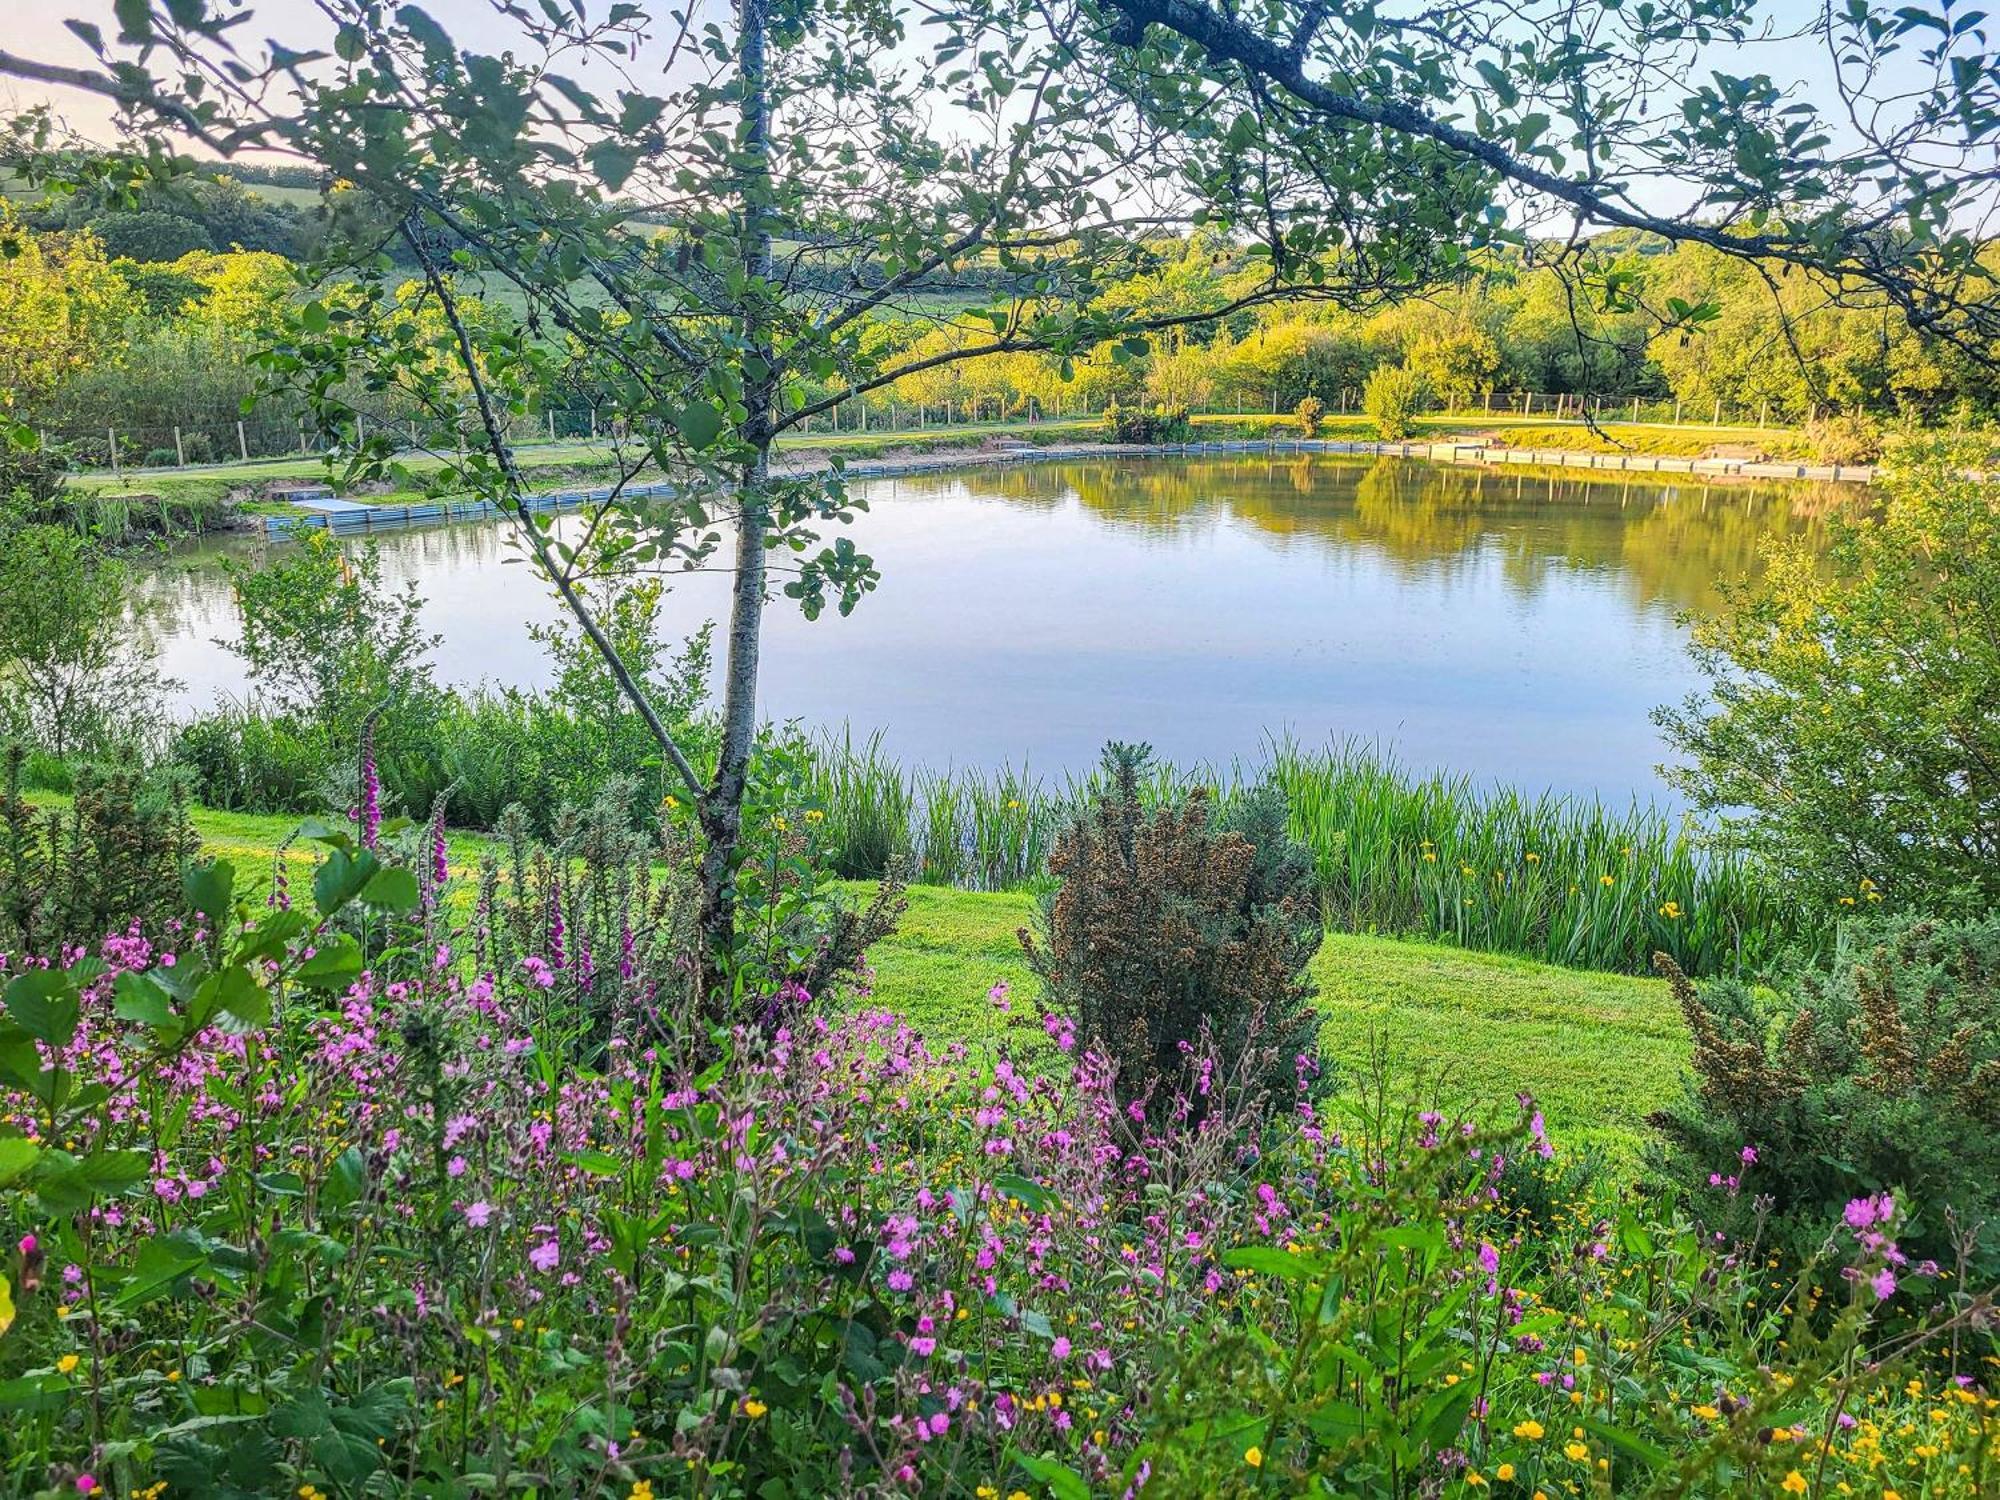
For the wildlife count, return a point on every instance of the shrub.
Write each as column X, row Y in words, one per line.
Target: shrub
column 1171, row 927
column 1850, row 738
column 1135, row 424
column 324, row 636
column 33, row 475
column 109, row 859
column 1308, row 414
column 1395, row 397
column 71, row 672
column 1849, row 437
column 1878, row 1072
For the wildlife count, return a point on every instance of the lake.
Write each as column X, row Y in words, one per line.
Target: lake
column 1514, row 625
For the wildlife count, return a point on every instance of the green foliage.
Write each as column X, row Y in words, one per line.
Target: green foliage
column 33, row 475
column 110, row 858
column 1394, row 398
column 1844, row 438
column 1851, row 736
column 1878, row 1071
column 1161, row 424
column 325, row 638
column 1174, row 931
column 72, row 675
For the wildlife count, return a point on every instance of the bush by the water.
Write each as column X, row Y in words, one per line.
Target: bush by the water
column 1174, row 930
column 1394, row 397
column 1851, row 735
column 1142, row 424
column 1875, row 1073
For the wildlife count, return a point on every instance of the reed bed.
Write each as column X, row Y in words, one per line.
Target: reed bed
column 1562, row 879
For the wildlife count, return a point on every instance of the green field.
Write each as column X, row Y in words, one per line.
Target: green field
column 1598, row 1051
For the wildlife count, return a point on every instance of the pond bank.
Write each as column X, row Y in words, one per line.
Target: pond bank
column 332, row 513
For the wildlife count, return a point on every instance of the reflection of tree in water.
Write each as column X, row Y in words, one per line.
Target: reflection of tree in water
column 1669, row 543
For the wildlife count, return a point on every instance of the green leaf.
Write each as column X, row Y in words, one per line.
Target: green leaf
column 333, row 966
column 135, row 19
column 346, row 1180
column 700, row 424
column 236, row 992
column 138, row 997
column 1268, row 1260
column 341, row 878
column 66, row 1183
column 163, row 1260
column 392, row 890
column 1031, row 1194
column 17, row 1155
column 45, row 1004
column 1063, row 1482
column 207, row 885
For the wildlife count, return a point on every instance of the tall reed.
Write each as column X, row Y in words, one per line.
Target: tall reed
column 1563, row 879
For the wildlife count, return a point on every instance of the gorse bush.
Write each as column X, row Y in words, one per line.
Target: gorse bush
column 111, row 857
column 1851, row 736
column 1174, row 929
column 1878, row 1072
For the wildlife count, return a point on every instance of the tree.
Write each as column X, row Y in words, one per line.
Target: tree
column 1409, row 144
column 1459, row 363
column 1851, row 733
column 150, row 235
column 1394, row 398
column 327, row 639
column 62, row 309
column 69, row 674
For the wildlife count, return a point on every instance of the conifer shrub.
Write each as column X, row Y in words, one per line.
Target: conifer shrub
column 1877, row 1072
column 1177, row 928
column 110, row 858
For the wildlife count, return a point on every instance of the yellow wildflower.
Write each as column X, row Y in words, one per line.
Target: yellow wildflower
column 1530, row 1429
column 1254, row 1456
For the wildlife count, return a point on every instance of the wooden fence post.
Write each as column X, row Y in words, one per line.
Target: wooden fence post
column 113, row 433
column 242, row 442
column 180, row 450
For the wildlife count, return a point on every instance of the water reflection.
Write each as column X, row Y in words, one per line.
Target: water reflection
column 1512, row 623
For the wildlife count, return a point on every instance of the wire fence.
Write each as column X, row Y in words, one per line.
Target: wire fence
column 122, row 449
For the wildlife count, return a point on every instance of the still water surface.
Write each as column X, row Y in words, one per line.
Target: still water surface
column 1508, row 625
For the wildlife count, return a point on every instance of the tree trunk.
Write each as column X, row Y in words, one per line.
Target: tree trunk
column 722, row 808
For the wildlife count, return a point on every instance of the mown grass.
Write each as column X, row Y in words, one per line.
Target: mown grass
column 1598, row 1051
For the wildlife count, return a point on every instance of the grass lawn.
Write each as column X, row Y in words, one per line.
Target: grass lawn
column 1599, row 1051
